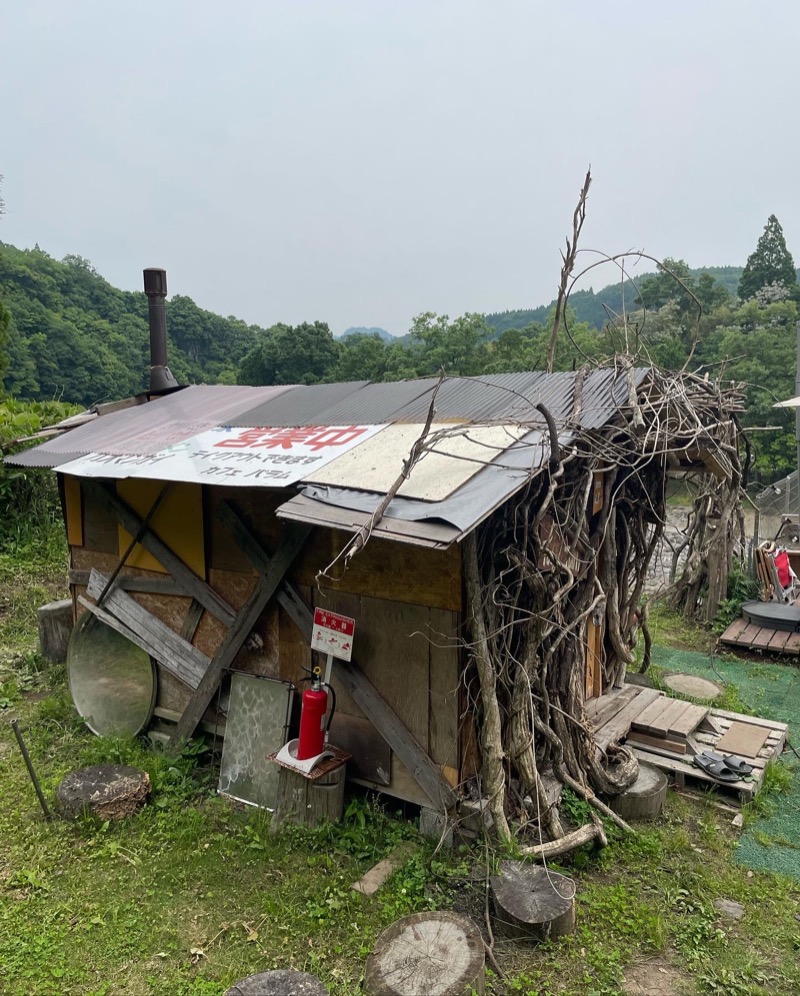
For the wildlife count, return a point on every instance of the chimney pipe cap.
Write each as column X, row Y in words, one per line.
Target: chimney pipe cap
column 155, row 282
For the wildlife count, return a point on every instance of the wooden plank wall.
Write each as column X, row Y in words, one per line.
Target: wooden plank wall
column 406, row 602
column 396, row 648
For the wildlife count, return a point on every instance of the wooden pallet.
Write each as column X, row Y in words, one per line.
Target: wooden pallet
column 748, row 636
column 623, row 714
column 614, row 712
column 686, row 774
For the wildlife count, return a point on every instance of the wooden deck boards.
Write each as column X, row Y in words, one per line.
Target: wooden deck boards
column 667, row 735
column 748, row 636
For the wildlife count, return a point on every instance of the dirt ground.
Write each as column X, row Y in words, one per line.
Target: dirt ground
column 655, row 977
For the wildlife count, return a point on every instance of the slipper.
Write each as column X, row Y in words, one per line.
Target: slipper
column 714, row 768
column 731, row 762
column 738, row 765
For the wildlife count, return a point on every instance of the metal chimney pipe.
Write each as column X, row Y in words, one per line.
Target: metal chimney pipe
column 155, row 287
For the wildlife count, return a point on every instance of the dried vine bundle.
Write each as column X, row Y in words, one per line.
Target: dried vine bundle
column 570, row 555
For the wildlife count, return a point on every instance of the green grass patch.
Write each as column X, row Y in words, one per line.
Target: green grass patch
column 194, row 892
column 670, row 629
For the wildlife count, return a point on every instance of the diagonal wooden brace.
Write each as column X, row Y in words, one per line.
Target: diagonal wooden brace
column 129, row 520
column 385, row 720
column 287, row 595
column 279, row 564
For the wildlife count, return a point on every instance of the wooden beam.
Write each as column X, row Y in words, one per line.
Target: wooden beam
column 151, row 645
column 388, row 724
column 195, row 586
column 192, row 620
column 265, row 588
column 132, row 582
column 178, row 655
column 287, row 595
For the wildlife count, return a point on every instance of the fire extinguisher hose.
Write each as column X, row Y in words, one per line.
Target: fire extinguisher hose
column 333, row 708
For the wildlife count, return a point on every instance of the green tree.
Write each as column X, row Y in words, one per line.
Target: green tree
column 5, row 316
column 303, row 354
column 770, row 264
column 457, row 347
column 675, row 284
column 362, row 356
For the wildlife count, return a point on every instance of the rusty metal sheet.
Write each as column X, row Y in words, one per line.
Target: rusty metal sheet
column 146, row 429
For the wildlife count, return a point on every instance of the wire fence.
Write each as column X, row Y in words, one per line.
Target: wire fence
column 776, row 501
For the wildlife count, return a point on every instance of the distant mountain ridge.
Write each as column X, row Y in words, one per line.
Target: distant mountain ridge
column 362, row 330
column 593, row 307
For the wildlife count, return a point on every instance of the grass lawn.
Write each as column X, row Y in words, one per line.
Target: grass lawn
column 194, row 893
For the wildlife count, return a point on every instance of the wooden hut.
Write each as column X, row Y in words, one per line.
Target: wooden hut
column 219, row 514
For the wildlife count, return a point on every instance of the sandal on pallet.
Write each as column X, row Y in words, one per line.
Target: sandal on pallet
column 738, row 765
column 733, row 763
column 715, row 768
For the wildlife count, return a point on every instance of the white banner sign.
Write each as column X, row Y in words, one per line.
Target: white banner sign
column 260, row 457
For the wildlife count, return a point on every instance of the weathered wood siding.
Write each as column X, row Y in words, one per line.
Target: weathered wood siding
column 406, row 602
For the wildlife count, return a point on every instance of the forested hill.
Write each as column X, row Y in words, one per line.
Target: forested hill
column 74, row 336
column 593, row 307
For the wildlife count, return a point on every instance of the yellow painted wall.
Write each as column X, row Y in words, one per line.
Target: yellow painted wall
column 178, row 522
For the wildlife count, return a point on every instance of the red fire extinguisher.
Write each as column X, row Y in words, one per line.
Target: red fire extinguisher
column 312, row 717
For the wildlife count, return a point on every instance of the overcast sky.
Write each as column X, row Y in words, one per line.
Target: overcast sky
column 362, row 161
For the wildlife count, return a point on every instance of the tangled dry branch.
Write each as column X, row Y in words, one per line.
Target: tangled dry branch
column 570, row 555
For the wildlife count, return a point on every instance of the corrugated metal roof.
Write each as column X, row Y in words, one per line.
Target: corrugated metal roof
column 376, row 404
column 148, row 428
column 513, row 396
column 436, row 535
column 459, row 512
column 304, row 405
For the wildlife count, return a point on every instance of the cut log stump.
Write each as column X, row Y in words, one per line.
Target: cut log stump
column 278, row 983
column 308, row 800
column 107, row 791
column 645, row 799
column 55, row 628
column 531, row 901
column 427, row 953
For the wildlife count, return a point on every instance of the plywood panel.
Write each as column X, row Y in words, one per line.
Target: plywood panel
column 84, row 559
column 293, row 648
column 401, row 573
column 402, row 786
column 178, row 521
column 394, row 660
column 234, row 587
column 257, row 507
column 444, row 687
column 100, row 532
column 73, row 510
column 383, row 569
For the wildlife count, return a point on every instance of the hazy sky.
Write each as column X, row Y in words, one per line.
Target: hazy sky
column 361, row 161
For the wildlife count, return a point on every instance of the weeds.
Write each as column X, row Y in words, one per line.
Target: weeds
column 741, row 587
column 194, row 892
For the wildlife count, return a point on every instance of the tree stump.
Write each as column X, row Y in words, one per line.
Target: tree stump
column 645, row 799
column 437, row 954
column 530, row 901
column 55, row 628
column 309, row 800
column 278, row 983
column 107, row 791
